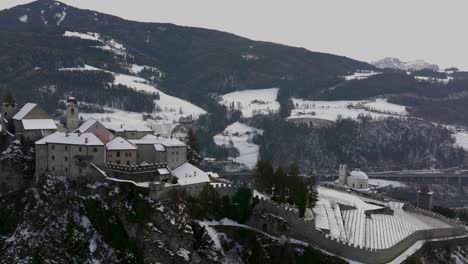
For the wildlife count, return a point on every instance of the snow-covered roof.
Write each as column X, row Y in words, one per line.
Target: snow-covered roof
column 213, row 174
column 85, row 139
column 86, row 125
column 164, row 171
column 159, row 147
column 38, row 124
column 152, row 140
column 188, row 174
column 127, row 127
column 119, row 143
column 426, row 189
column 358, row 174
column 24, row 111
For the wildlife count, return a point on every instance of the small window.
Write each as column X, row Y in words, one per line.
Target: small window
column 53, row 168
column 53, row 147
column 117, row 154
column 53, row 157
column 128, row 162
column 94, row 149
column 66, row 147
column 66, row 169
column 66, row 158
column 117, row 161
column 72, row 111
column 79, row 149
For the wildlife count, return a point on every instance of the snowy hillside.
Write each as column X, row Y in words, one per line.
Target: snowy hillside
column 107, row 44
column 112, row 116
column 332, row 110
column 433, row 79
column 252, row 102
column 360, row 75
column 241, row 137
column 168, row 108
column 395, row 63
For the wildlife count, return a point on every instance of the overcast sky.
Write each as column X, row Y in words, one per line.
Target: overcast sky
column 432, row 30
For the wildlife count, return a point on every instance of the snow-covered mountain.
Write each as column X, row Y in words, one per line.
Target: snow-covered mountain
column 395, row 63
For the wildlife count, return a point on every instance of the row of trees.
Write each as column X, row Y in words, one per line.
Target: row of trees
column 285, row 185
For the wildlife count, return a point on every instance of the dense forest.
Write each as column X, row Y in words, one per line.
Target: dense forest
column 373, row 145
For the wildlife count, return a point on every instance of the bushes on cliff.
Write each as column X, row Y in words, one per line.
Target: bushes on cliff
column 210, row 205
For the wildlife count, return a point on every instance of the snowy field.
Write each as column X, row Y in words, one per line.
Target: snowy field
column 377, row 183
column 349, row 223
column 252, row 102
column 433, row 79
column 114, row 116
column 106, row 44
column 241, row 136
column 461, row 139
column 360, row 75
column 332, row 110
column 169, row 108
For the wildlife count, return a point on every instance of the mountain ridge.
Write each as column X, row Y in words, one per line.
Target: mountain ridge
column 396, row 63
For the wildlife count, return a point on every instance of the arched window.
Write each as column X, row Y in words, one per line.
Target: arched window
column 72, row 111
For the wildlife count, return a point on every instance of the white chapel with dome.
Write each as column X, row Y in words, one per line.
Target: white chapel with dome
column 355, row 179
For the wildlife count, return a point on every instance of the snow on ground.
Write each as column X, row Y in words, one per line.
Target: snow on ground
column 461, row 139
column 87, row 36
column 332, row 110
column 213, row 234
column 168, row 108
column 433, row 79
column 360, row 75
column 386, row 183
column 351, row 225
column 107, row 44
column 382, row 105
column 252, row 102
column 136, row 69
column 60, row 17
column 241, row 137
column 23, row 18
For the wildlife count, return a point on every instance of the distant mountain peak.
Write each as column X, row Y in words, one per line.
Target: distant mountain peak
column 395, row 63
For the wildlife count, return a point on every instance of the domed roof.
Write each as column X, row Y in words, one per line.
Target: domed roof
column 358, row 174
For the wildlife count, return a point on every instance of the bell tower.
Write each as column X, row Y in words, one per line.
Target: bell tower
column 343, row 172
column 72, row 115
column 8, row 109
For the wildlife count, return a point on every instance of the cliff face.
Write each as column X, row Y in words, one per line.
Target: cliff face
column 93, row 223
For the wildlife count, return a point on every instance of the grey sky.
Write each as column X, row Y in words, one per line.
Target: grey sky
column 433, row 30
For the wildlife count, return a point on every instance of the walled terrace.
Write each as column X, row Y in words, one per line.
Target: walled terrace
column 363, row 228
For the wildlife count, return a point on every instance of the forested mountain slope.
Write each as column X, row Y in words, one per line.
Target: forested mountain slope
column 195, row 61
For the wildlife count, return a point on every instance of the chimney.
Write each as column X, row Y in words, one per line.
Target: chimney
column 66, row 134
